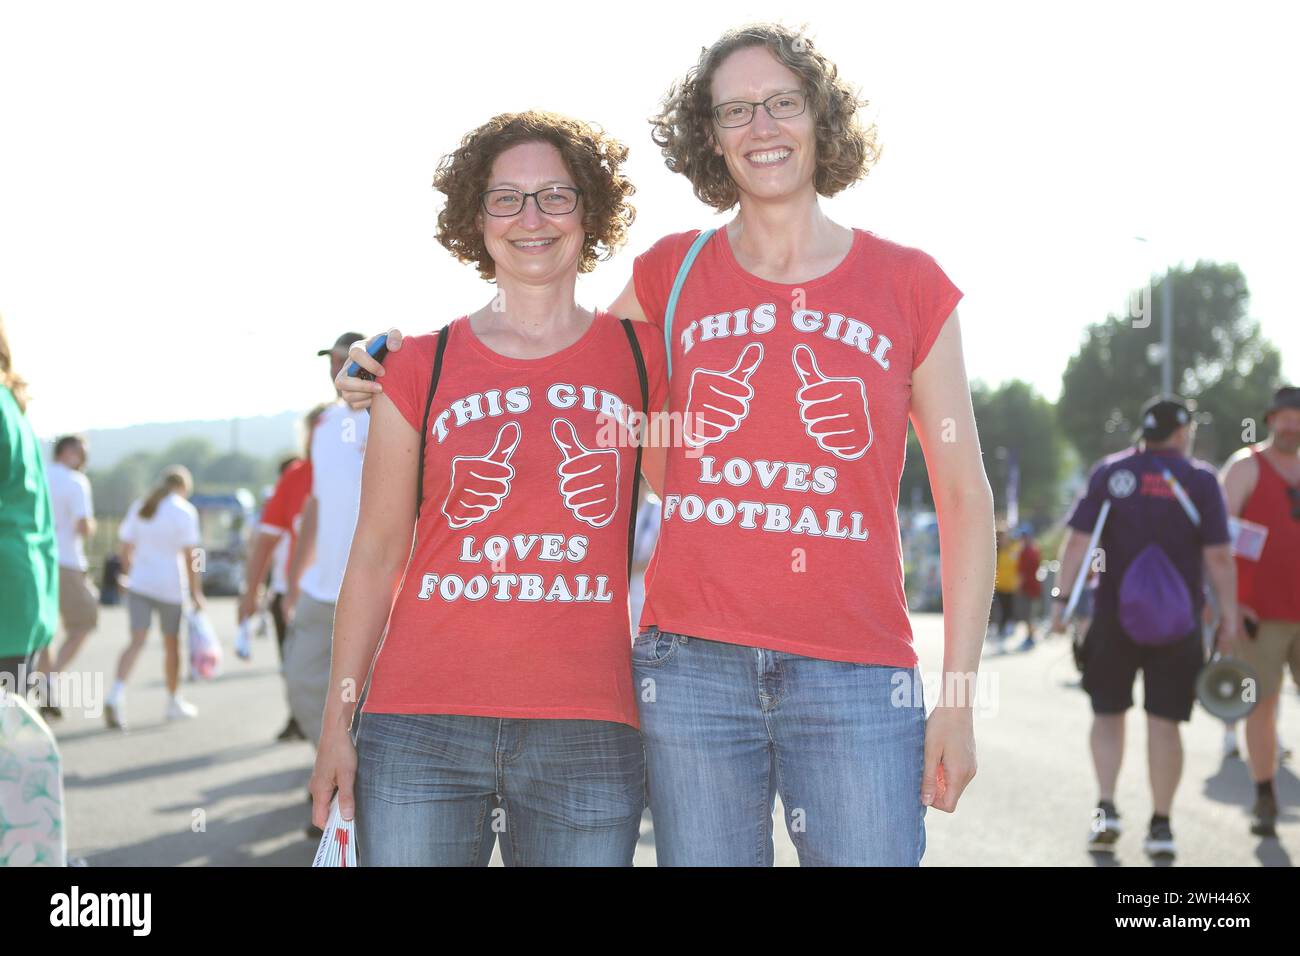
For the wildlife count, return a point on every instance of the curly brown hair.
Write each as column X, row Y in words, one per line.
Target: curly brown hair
column 592, row 156
column 683, row 128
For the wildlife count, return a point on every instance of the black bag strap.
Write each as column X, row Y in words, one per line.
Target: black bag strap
column 644, row 381
column 428, row 404
column 355, row 728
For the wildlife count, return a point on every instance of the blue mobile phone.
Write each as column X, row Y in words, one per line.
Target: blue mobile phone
column 377, row 350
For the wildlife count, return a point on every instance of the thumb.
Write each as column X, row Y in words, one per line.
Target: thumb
column 747, row 362
column 564, row 435
column 805, row 363
column 347, row 801
column 507, row 441
column 394, row 340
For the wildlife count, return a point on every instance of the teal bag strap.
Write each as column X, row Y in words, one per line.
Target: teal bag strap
column 689, row 261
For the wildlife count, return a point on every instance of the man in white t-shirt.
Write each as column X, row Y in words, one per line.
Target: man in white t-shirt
column 338, row 446
column 74, row 522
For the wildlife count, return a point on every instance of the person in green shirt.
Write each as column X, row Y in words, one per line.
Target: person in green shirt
column 29, row 574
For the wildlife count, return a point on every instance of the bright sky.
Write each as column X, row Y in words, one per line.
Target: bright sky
column 194, row 198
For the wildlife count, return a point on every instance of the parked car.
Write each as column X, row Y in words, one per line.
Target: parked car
column 225, row 523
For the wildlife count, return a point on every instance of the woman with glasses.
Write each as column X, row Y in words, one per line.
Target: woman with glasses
column 775, row 631
column 501, row 700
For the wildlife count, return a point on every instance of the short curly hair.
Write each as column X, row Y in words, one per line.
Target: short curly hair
column 683, row 127
column 592, row 156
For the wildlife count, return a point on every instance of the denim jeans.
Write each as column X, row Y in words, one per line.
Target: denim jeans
column 728, row 727
column 437, row 790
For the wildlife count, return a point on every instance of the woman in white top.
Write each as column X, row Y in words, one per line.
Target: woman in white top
column 160, row 543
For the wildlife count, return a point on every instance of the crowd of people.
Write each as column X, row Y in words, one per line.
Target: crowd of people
column 449, row 561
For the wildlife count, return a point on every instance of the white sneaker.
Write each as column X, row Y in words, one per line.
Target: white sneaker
column 243, row 646
column 115, row 714
column 180, row 709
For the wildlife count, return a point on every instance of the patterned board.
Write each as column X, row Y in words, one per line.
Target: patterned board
column 31, row 788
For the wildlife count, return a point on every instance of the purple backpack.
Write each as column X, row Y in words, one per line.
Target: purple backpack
column 1155, row 605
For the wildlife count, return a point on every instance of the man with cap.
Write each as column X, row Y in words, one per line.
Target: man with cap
column 1262, row 485
column 338, row 444
column 1165, row 518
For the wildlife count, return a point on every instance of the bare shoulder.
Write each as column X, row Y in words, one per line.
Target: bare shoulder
column 1241, row 466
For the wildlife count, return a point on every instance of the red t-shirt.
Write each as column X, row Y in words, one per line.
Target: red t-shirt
column 515, row 600
column 285, row 504
column 780, row 521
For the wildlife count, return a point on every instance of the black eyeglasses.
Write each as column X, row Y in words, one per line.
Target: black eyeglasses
column 553, row 201
column 785, row 105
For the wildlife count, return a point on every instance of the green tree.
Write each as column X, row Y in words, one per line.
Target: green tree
column 115, row 488
column 1220, row 359
column 234, row 469
column 1011, row 419
column 1016, row 423
column 193, row 453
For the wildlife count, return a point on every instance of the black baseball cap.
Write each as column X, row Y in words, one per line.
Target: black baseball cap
column 1164, row 415
column 1288, row 396
column 342, row 343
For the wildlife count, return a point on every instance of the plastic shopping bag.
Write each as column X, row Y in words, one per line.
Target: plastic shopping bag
column 205, row 649
column 338, row 845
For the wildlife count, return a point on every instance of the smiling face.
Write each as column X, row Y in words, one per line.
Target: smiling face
column 533, row 246
column 768, row 158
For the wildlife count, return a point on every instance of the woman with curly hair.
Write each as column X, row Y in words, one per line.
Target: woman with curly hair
column 775, row 631
column 501, row 698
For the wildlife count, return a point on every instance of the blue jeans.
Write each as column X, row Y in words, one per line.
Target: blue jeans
column 728, row 727
column 436, row 790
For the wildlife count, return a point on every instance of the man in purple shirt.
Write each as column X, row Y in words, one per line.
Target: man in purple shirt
column 1157, row 496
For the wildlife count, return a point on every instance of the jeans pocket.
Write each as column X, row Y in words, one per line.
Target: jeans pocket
column 653, row 647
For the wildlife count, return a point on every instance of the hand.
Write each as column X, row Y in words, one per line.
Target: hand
column 949, row 756
column 480, row 484
column 1247, row 614
column 834, row 410
column 589, row 479
column 248, row 602
column 335, row 769
column 199, row 601
column 289, row 603
column 1057, row 624
column 360, row 392
column 719, row 401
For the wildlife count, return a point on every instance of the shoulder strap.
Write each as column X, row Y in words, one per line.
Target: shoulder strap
column 644, row 381
column 1183, row 498
column 680, row 281
column 424, row 428
column 443, row 332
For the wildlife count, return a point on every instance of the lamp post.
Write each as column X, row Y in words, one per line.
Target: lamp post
column 1164, row 352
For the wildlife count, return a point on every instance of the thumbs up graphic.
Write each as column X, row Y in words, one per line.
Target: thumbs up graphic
column 479, row 485
column 589, row 480
column 719, row 401
column 834, row 410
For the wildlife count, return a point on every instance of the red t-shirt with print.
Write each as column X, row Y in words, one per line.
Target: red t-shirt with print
column 515, row 601
column 286, row 502
column 780, row 518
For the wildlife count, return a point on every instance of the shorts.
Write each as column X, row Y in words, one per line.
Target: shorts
column 140, row 610
column 1111, row 660
column 1275, row 646
column 78, row 601
column 306, row 665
